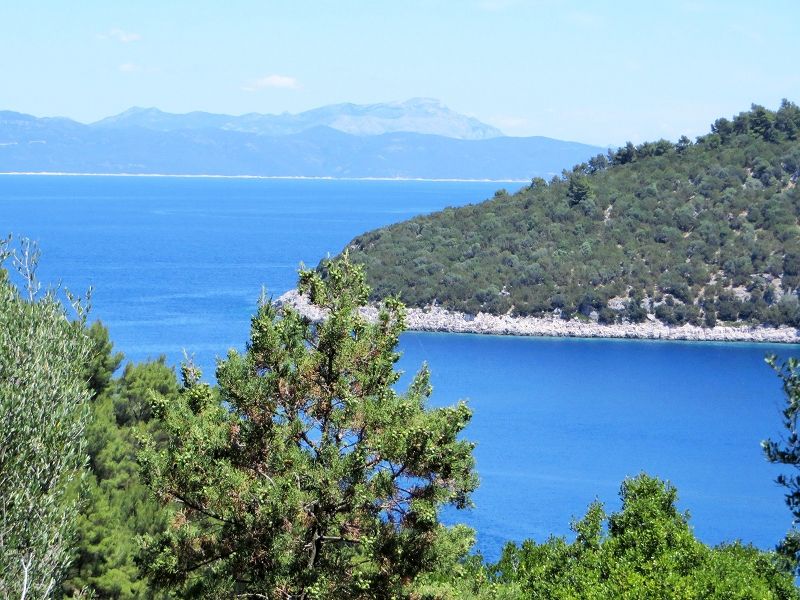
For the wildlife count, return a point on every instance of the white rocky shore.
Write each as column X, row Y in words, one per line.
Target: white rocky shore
column 438, row 319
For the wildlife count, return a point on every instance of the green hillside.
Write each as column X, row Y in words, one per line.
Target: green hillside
column 691, row 232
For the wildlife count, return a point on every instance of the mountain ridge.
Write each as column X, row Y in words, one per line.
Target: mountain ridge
column 417, row 115
column 56, row 144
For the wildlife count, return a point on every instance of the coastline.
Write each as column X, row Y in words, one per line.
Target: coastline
column 290, row 177
column 441, row 320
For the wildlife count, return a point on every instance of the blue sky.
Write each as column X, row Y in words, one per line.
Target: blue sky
column 598, row 72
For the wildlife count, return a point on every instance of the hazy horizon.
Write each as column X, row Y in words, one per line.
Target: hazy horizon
column 565, row 70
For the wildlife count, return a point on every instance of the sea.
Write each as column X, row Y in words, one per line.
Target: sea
column 176, row 266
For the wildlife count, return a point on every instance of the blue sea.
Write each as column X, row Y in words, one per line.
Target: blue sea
column 177, row 264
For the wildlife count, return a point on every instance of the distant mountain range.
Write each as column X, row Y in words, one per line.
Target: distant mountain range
column 418, row 115
column 419, row 138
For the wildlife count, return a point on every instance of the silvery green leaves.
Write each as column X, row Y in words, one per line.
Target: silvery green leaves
column 43, row 414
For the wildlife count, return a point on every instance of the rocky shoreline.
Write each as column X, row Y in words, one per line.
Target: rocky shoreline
column 438, row 319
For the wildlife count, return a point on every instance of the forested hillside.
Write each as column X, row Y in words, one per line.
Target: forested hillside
column 689, row 232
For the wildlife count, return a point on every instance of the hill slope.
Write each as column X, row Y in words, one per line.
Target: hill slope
column 686, row 232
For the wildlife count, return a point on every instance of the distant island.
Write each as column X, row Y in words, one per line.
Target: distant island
column 689, row 237
column 416, row 139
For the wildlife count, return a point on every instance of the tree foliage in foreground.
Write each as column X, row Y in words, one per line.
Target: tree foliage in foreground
column 688, row 232
column 116, row 507
column 43, row 414
column 308, row 476
column 646, row 550
column 786, row 451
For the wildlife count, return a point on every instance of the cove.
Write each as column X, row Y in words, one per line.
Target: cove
column 179, row 264
column 560, row 422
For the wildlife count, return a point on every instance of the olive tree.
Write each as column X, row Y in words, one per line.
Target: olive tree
column 43, row 413
column 308, row 475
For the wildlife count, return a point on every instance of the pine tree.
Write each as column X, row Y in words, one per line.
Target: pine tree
column 309, row 476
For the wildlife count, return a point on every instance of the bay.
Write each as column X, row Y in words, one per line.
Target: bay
column 560, row 422
column 177, row 264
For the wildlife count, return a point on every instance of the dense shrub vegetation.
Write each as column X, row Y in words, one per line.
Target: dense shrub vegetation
column 304, row 474
column 690, row 232
column 116, row 507
column 646, row 550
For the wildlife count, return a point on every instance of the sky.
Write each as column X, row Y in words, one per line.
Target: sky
column 595, row 72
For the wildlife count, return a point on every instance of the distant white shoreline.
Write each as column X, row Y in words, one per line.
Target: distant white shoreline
column 441, row 320
column 300, row 177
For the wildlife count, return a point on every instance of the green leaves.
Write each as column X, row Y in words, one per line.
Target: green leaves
column 648, row 551
column 116, row 508
column 579, row 190
column 43, row 415
column 317, row 479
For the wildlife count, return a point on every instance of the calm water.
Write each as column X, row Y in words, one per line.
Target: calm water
column 179, row 263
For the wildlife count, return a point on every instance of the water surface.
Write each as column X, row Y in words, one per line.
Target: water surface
column 560, row 421
column 179, row 264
